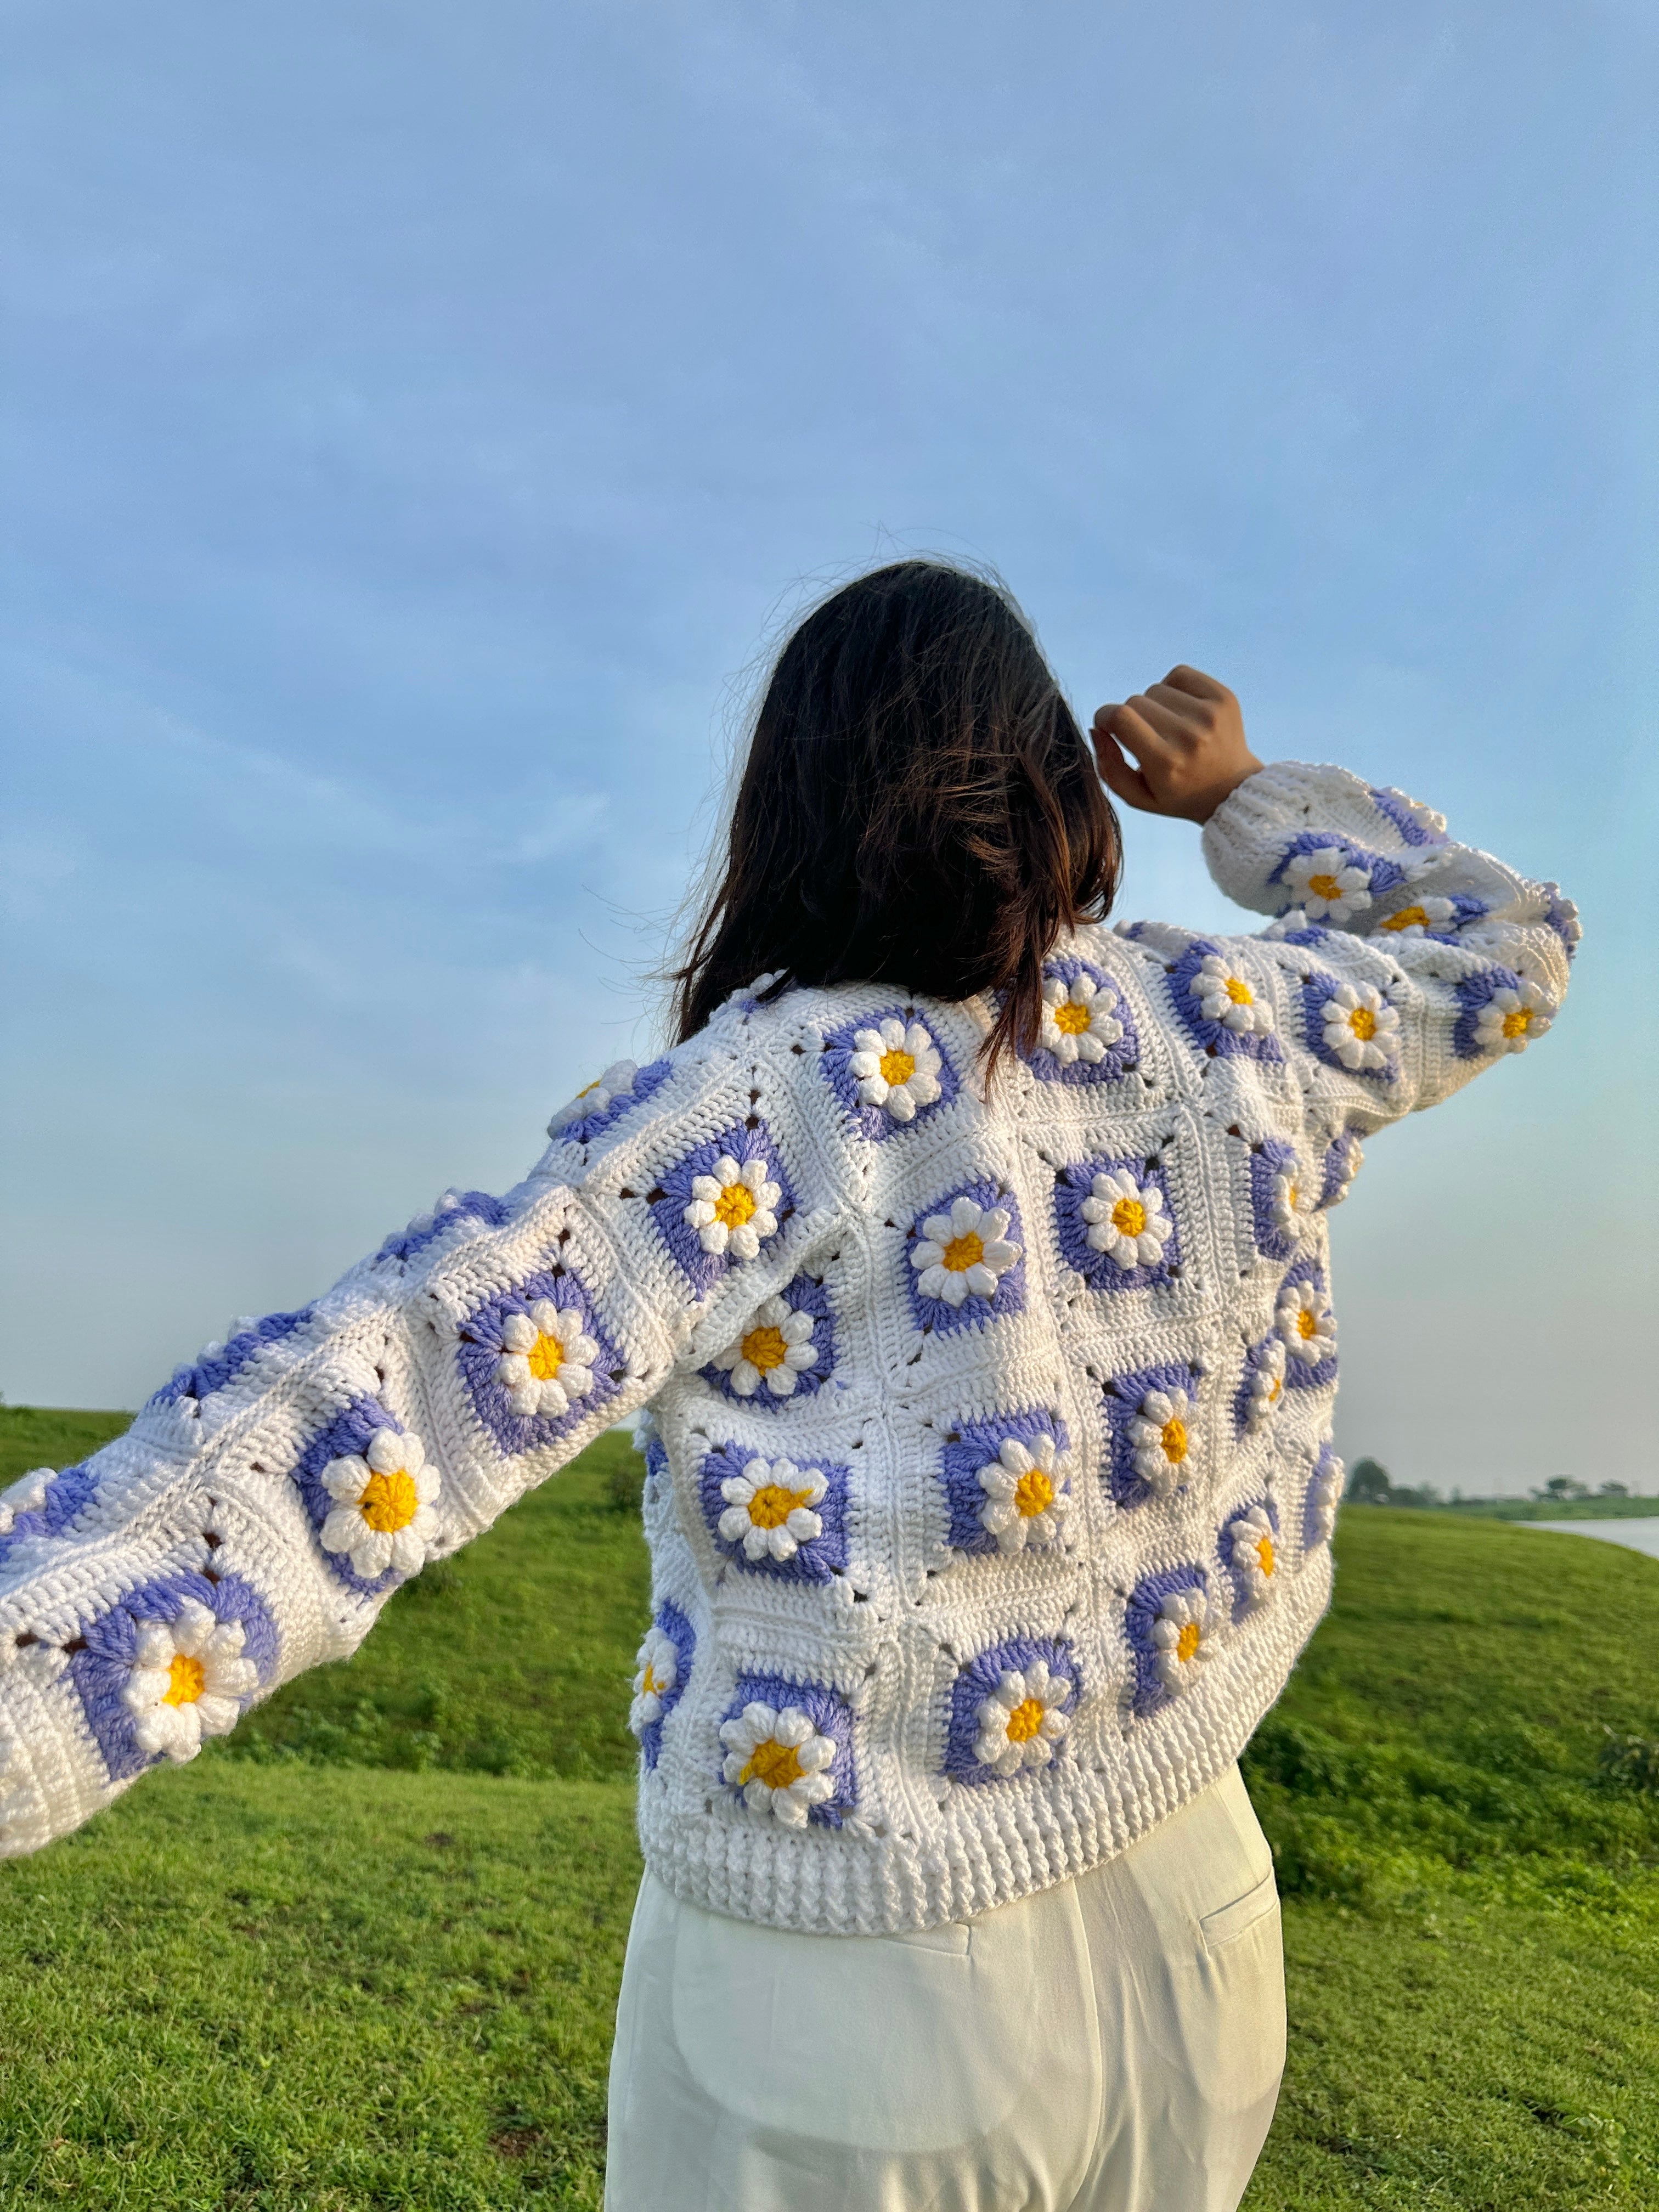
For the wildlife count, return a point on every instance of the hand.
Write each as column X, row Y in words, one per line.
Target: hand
column 1187, row 736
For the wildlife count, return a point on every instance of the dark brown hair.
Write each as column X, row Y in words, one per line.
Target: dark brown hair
column 918, row 808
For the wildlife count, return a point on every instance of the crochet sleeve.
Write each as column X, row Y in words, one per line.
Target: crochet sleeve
column 1411, row 961
column 268, row 1500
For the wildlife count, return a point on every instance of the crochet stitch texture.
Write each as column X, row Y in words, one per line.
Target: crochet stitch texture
column 989, row 1478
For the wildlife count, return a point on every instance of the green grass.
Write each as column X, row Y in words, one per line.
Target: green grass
column 295, row 1975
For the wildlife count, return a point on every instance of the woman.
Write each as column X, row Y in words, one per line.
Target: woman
column 971, row 1262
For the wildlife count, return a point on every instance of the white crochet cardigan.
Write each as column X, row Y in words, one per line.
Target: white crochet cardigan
column 989, row 1474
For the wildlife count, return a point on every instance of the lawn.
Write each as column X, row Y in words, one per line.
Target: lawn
column 365, row 1954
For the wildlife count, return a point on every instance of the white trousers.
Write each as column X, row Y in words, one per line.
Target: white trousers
column 1111, row 2045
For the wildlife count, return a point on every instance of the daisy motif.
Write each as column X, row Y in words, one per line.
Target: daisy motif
column 1252, row 1548
column 546, row 1358
column 1289, row 1200
column 1417, row 920
column 383, row 1513
column 1326, row 883
column 659, row 1664
column 733, row 1209
column 1161, row 1434
column 1021, row 1722
column 778, row 1761
column 963, row 1251
column 776, row 1347
column 1324, row 1496
column 1224, row 996
column 617, row 1082
column 1266, row 1390
column 1127, row 1221
column 189, row 1680
column 1079, row 1020
column 1362, row 1030
column 1343, row 1161
column 1305, row 1324
column 1026, row 1498
column 1183, row 1639
column 769, row 1507
column 1512, row 1018
column 897, row 1066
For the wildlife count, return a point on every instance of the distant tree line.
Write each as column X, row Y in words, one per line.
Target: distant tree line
column 1370, row 1484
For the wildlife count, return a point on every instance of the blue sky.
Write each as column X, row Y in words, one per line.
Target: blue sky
column 419, row 419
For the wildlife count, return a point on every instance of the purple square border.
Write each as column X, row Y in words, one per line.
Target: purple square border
column 1268, row 1161
column 1120, row 1401
column 975, row 1444
column 1223, row 1550
column 1299, row 1376
column 875, row 1123
column 1120, row 1058
column 109, row 1647
column 830, row 1714
column 1316, row 990
column 681, row 1634
column 481, row 1348
column 937, row 1316
column 978, row 1679
column 1140, row 1617
column 819, row 1561
column 804, row 1295
column 1099, row 1269
column 1215, row 1039
column 743, row 1143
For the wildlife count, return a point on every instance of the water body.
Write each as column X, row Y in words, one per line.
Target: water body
column 1636, row 1535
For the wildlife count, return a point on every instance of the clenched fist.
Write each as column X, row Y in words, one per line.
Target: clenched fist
column 1186, row 735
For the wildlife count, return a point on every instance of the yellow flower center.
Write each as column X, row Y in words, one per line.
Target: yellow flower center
column 764, row 1348
column 1071, row 1019
column 1034, row 1493
column 1363, row 1022
column 1307, row 1324
column 1188, row 1642
column 588, row 1089
column 1274, row 1394
column 1517, row 1024
column 1409, row 917
column 774, row 1764
column 546, row 1357
column 897, row 1067
column 649, row 1685
column 1240, row 991
column 772, row 1504
column 1173, row 1437
column 186, row 1679
column 1024, row 1721
column 965, row 1252
column 1327, row 886
column 1129, row 1217
column 1264, row 1552
column 389, row 1501
column 1292, row 1196
column 734, row 1205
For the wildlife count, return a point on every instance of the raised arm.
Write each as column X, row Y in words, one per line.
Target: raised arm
column 1419, row 961
column 268, row 1500
column 1407, row 962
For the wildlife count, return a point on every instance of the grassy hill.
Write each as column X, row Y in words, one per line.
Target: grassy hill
column 365, row 1954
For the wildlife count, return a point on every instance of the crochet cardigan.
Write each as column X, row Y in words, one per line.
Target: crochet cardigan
column 989, row 1478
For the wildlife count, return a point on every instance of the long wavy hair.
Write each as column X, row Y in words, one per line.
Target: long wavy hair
column 918, row 809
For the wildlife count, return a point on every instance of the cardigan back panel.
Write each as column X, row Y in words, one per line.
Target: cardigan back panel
column 990, row 1480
